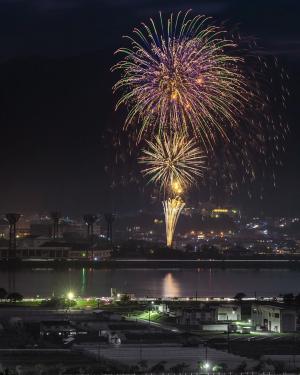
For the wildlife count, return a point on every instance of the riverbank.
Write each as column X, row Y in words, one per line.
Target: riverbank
column 154, row 263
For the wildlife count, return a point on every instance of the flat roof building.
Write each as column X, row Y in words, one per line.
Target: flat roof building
column 273, row 318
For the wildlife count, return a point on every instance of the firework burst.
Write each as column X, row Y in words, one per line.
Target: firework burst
column 186, row 84
column 173, row 162
column 182, row 77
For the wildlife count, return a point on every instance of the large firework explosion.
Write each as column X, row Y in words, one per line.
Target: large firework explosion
column 182, row 77
column 188, row 76
column 172, row 161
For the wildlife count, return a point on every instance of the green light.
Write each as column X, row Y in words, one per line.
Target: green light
column 83, row 280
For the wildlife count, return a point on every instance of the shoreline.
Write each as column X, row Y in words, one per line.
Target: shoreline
column 153, row 263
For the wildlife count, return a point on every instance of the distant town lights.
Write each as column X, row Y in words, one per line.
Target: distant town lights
column 220, row 210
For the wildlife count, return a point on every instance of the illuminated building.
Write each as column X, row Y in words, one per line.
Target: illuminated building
column 58, row 250
column 273, row 318
column 231, row 212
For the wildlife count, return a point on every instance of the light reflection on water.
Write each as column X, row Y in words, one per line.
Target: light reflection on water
column 171, row 288
column 154, row 282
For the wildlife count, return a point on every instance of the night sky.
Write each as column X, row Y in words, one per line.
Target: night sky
column 57, row 105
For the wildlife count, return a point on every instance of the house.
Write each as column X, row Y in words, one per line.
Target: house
column 273, row 318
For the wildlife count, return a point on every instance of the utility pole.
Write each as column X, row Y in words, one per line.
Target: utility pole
column 228, row 340
column 99, row 347
column 90, row 220
column 141, row 351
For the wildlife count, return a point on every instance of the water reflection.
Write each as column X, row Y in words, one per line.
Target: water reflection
column 152, row 282
column 171, row 287
column 83, row 281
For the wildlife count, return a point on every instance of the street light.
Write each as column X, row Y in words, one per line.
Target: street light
column 206, row 365
column 70, row 296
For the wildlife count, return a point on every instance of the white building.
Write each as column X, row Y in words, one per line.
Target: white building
column 229, row 312
column 203, row 313
column 273, row 318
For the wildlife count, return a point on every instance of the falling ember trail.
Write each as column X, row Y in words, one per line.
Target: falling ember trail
column 172, row 210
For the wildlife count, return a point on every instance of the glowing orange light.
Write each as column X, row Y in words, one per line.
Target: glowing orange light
column 200, row 80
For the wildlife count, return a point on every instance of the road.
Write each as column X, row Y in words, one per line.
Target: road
column 166, row 327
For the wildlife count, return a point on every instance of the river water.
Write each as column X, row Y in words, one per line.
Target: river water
column 165, row 282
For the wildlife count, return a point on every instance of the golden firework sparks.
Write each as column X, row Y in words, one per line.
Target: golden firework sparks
column 172, row 210
column 173, row 161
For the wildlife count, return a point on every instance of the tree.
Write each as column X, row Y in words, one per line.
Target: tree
column 189, row 248
column 241, row 367
column 14, row 297
column 288, row 298
column 239, row 296
column 3, row 293
column 297, row 299
column 143, row 365
column 159, row 367
column 55, row 303
column 259, row 367
column 179, row 368
column 58, row 303
column 125, row 298
column 279, row 366
column 223, row 367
